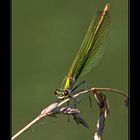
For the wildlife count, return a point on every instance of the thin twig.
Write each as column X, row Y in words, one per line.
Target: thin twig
column 26, row 127
column 110, row 89
column 44, row 113
column 48, row 111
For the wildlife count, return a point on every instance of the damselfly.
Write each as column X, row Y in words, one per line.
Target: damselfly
column 89, row 53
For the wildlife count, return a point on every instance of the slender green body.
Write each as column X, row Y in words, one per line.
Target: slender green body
column 89, row 53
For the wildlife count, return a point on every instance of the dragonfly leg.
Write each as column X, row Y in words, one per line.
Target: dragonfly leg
column 78, row 85
column 77, row 100
column 90, row 101
column 68, row 116
column 81, row 83
column 89, row 95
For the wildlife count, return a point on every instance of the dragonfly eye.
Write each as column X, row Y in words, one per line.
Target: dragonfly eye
column 56, row 92
column 66, row 92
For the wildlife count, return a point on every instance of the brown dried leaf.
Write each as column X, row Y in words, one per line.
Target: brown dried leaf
column 102, row 102
column 80, row 120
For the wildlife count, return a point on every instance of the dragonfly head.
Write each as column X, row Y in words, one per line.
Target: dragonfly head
column 61, row 94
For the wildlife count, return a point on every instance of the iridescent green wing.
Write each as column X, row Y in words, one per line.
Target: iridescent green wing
column 92, row 47
column 96, row 46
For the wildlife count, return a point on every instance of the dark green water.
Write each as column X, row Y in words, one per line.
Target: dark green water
column 46, row 37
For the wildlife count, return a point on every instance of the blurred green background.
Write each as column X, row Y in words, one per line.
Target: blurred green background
column 45, row 39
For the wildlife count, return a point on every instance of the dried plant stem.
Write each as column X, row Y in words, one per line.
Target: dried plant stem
column 26, row 127
column 45, row 113
column 110, row 89
column 100, row 127
column 48, row 111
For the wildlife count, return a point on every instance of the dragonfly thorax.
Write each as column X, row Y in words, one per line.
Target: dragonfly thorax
column 62, row 94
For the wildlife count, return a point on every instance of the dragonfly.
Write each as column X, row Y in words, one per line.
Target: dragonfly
column 89, row 54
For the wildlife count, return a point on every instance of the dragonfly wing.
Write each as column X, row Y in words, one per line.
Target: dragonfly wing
column 97, row 46
column 92, row 47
